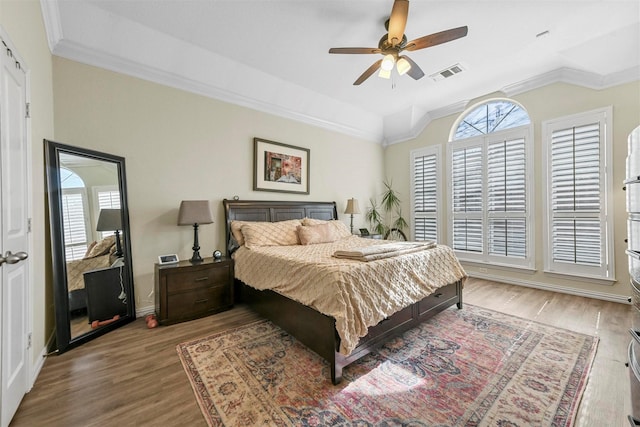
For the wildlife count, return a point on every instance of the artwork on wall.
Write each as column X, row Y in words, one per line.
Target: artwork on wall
column 280, row 167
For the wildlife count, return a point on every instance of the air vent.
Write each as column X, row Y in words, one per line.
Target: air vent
column 447, row 72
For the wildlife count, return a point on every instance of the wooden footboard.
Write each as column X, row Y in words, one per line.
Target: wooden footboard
column 317, row 331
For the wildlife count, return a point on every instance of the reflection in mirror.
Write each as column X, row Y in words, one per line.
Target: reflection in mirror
column 93, row 287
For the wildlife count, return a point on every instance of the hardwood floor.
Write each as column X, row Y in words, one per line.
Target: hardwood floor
column 133, row 377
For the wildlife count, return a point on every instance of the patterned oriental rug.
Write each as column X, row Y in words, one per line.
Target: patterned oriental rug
column 470, row 367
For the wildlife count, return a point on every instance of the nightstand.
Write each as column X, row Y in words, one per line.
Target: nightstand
column 186, row 291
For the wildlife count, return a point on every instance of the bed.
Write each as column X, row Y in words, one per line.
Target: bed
column 325, row 333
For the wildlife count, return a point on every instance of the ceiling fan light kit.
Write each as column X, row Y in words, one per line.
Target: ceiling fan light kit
column 395, row 41
column 403, row 66
column 388, row 62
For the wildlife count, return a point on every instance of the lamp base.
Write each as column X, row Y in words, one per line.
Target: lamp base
column 118, row 253
column 196, row 258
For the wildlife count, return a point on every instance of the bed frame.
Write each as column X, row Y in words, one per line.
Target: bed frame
column 314, row 329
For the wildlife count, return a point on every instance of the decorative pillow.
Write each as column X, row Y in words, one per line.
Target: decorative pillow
column 102, row 247
column 236, row 231
column 340, row 228
column 313, row 234
column 282, row 233
column 91, row 245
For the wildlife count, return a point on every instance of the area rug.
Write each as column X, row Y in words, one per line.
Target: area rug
column 469, row 367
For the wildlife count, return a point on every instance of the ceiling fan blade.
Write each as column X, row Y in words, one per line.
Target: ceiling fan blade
column 369, row 72
column 356, row 50
column 398, row 21
column 415, row 72
column 437, row 38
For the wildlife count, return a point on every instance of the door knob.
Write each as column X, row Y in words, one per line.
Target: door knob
column 10, row 258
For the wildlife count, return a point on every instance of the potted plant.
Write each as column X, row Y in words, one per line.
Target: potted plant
column 387, row 219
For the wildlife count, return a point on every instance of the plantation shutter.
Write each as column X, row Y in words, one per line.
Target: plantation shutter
column 425, row 201
column 506, row 198
column 74, row 228
column 576, row 212
column 107, row 199
column 467, row 176
column 425, row 194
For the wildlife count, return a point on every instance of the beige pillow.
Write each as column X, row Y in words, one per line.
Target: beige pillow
column 282, row 233
column 313, row 234
column 102, row 247
column 340, row 229
column 236, row 230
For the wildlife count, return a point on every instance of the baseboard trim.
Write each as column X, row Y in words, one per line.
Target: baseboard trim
column 561, row 289
column 37, row 367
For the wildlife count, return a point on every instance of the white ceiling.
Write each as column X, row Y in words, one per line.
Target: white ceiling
column 272, row 55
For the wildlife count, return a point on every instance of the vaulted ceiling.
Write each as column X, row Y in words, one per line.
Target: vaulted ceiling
column 272, row 55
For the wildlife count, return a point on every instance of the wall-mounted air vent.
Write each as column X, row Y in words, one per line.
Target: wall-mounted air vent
column 447, row 72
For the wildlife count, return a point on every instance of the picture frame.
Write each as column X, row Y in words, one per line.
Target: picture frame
column 168, row 259
column 280, row 167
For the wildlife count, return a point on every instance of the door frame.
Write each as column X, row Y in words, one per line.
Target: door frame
column 29, row 292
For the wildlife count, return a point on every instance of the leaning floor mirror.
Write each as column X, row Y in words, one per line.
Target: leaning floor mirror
column 90, row 244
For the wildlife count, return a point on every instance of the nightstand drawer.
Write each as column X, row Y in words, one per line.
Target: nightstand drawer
column 200, row 302
column 180, row 281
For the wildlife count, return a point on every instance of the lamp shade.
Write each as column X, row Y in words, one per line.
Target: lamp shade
column 195, row 212
column 109, row 220
column 352, row 207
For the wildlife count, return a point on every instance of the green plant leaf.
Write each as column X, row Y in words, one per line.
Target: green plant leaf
column 390, row 199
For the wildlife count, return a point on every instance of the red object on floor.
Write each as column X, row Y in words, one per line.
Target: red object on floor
column 97, row 323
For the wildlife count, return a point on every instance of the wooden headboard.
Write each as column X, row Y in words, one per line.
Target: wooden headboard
column 271, row 211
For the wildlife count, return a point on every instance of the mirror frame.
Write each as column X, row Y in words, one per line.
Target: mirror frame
column 64, row 341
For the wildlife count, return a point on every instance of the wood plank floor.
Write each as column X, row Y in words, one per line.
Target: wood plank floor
column 133, row 377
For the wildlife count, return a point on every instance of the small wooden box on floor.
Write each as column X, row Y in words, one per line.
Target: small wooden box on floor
column 186, row 291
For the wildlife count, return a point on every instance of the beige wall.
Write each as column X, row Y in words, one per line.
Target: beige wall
column 181, row 146
column 542, row 104
column 22, row 21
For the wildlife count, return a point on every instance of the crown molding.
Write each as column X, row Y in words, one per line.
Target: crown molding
column 421, row 123
column 575, row 77
column 52, row 22
column 201, row 72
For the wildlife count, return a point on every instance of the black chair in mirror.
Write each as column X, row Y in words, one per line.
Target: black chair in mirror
column 90, row 243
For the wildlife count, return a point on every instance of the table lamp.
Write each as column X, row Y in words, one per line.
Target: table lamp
column 195, row 212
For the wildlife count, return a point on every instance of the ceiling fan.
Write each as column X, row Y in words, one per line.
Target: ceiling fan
column 394, row 42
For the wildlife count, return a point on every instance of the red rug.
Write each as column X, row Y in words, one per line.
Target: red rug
column 470, row 367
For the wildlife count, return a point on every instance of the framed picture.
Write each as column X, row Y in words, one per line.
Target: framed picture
column 168, row 259
column 280, row 167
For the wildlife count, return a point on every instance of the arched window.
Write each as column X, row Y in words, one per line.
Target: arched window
column 489, row 156
column 492, row 116
column 70, row 179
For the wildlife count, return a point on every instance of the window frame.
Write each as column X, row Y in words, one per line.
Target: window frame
column 606, row 271
column 525, row 132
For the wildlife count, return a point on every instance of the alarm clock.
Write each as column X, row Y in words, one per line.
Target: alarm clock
column 217, row 254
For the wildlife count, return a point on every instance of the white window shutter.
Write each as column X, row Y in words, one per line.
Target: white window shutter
column 578, row 235
column 425, row 194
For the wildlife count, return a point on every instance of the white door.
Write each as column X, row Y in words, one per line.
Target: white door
column 14, row 272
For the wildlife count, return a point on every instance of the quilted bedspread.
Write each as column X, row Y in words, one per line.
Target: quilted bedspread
column 357, row 294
